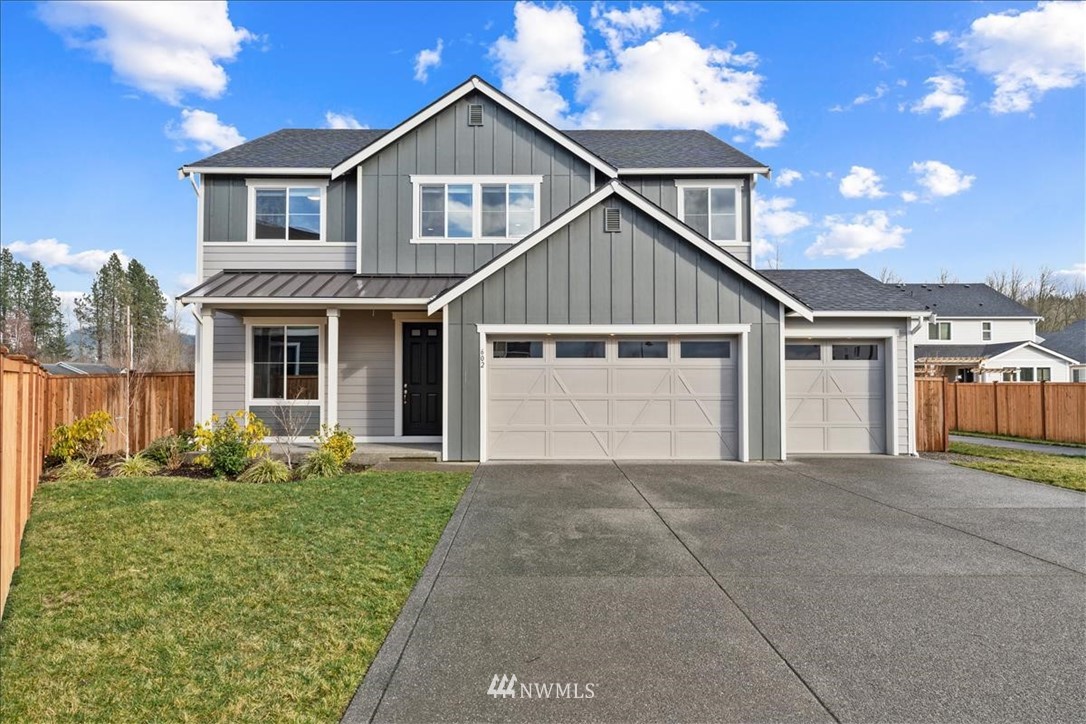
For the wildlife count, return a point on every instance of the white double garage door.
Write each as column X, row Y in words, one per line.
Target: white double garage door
column 582, row 398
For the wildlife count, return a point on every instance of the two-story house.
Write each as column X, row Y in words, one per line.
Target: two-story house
column 479, row 278
column 977, row 334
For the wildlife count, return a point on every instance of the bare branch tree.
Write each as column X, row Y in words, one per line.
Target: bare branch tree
column 946, row 276
column 292, row 421
column 889, row 276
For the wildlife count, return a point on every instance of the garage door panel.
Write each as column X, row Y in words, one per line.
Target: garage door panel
column 856, row 439
column 643, row 412
column 869, row 411
column 518, row 411
column 579, row 444
column 518, row 444
column 810, row 410
column 860, row 381
column 591, row 413
column 638, row 381
column 701, row 444
column 518, row 381
column 718, row 413
column 698, row 381
column 804, row 381
column 642, row 444
column 578, row 380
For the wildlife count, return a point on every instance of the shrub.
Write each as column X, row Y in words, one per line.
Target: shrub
column 229, row 444
column 266, row 470
column 137, row 466
column 320, row 464
column 338, row 441
column 169, row 450
column 75, row 470
column 83, row 439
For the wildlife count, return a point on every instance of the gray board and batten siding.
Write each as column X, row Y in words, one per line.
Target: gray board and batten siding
column 644, row 274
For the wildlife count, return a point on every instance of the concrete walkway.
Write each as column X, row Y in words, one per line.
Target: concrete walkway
column 842, row 589
column 1016, row 445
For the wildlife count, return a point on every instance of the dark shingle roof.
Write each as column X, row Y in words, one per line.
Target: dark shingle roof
column 1069, row 341
column 963, row 351
column 841, row 290
column 324, row 148
column 295, row 148
column 966, row 300
column 663, row 149
column 80, row 368
column 343, row 285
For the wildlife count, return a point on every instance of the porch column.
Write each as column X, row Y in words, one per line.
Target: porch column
column 331, row 406
column 205, row 368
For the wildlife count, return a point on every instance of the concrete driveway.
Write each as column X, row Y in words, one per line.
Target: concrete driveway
column 847, row 589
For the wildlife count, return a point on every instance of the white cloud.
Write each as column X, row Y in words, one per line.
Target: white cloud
column 774, row 216
column 940, row 179
column 787, row 177
column 204, row 130
column 908, row 197
column 939, row 37
column 861, row 183
column 858, row 235
column 426, row 59
column 667, row 81
column 167, row 49
column 683, row 7
column 947, row 96
column 56, row 254
column 621, row 27
column 1077, row 270
column 68, row 300
column 341, row 120
column 1027, row 54
column 879, row 92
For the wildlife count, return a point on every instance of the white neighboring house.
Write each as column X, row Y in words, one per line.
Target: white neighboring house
column 976, row 334
column 1071, row 342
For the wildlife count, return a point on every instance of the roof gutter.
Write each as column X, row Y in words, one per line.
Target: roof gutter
column 697, row 171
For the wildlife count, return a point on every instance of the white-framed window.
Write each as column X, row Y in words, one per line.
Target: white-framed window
column 285, row 363
column 479, row 209
column 287, row 211
column 714, row 209
column 986, row 331
column 939, row 330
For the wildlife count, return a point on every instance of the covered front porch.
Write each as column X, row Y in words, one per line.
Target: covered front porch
column 305, row 349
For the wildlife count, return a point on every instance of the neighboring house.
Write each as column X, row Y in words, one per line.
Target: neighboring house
column 81, row 368
column 1071, row 343
column 478, row 278
column 977, row 334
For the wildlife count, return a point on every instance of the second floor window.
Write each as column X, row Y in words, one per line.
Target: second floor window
column 712, row 209
column 475, row 209
column 986, row 331
column 939, row 330
column 286, row 212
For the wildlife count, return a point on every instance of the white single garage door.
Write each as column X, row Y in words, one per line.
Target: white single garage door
column 836, row 396
column 614, row 397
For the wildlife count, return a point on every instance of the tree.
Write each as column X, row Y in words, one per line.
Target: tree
column 101, row 312
column 147, row 304
column 14, row 281
column 889, row 276
column 45, row 316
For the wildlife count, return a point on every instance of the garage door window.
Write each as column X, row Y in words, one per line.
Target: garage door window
column 580, row 349
column 705, row 349
column 642, row 349
column 803, row 352
column 861, row 352
column 518, row 349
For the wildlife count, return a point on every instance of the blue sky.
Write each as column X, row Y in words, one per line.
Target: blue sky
column 925, row 136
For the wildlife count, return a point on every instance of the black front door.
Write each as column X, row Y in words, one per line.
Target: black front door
column 421, row 379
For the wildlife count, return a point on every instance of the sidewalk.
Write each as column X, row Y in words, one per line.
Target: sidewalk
column 1016, row 445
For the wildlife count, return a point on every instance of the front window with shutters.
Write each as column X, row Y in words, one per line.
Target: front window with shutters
column 483, row 209
column 713, row 209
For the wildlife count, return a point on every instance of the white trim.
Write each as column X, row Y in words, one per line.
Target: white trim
column 1039, row 347
column 256, row 170
column 272, row 243
column 358, row 222
column 986, row 318
column 476, row 182
column 867, row 315
column 398, row 318
column 910, row 359
column 891, row 383
column 318, row 322
column 287, row 184
column 783, row 393
column 331, row 414
column 388, row 439
column 651, row 330
column 737, row 184
column 199, row 231
column 691, row 170
column 473, row 84
column 206, row 400
column 591, row 179
column 741, row 331
column 445, row 387
column 289, row 302
column 673, row 224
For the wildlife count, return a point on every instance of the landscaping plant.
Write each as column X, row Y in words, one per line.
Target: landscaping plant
column 137, row 466
column 84, row 439
column 229, row 445
column 169, row 450
column 75, row 470
column 266, row 470
column 338, row 441
column 320, row 464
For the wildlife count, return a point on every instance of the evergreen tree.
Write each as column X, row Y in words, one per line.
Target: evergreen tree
column 14, row 283
column 45, row 316
column 148, row 305
column 101, row 312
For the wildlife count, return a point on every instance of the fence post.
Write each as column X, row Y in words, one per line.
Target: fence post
column 1044, row 423
column 995, row 404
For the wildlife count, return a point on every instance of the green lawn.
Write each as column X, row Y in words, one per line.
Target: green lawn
column 174, row 599
column 1017, row 439
column 1062, row 470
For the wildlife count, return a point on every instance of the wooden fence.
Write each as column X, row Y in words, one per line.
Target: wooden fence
column 1054, row 411
column 33, row 402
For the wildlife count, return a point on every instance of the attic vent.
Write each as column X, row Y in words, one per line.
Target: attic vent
column 612, row 221
column 475, row 114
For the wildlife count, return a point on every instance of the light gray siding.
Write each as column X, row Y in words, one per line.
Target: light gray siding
column 226, row 201
column 367, row 391
column 446, row 145
column 661, row 190
column 643, row 275
column 228, row 386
